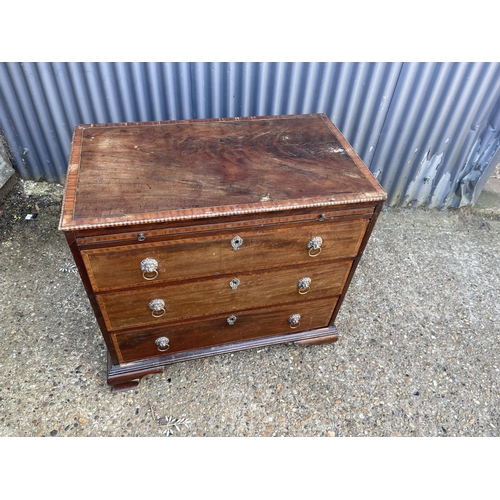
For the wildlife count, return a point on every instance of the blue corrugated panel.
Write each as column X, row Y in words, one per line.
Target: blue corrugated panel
column 428, row 131
column 440, row 115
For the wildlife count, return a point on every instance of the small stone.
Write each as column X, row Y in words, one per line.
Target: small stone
column 53, row 433
column 82, row 420
column 331, row 434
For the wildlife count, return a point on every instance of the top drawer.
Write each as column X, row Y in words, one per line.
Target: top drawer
column 223, row 253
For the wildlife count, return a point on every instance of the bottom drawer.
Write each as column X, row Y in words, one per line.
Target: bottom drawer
column 244, row 325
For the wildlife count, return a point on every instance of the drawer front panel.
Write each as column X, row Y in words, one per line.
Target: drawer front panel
column 189, row 300
column 247, row 325
column 256, row 248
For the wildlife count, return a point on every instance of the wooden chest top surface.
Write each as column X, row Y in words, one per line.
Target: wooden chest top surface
column 177, row 170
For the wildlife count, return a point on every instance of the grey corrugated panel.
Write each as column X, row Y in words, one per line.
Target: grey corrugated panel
column 427, row 130
column 437, row 116
column 468, row 119
column 66, row 94
column 26, row 121
column 368, row 107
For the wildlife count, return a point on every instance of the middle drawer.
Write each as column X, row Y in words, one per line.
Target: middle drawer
column 186, row 300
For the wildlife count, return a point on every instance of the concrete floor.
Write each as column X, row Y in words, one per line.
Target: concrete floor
column 418, row 355
column 488, row 202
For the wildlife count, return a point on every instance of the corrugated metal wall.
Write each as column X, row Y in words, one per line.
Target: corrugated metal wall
column 428, row 131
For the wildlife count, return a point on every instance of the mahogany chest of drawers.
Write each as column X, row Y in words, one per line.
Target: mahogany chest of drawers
column 202, row 237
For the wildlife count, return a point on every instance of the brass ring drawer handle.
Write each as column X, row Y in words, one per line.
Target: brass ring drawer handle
column 163, row 344
column 304, row 285
column 314, row 246
column 157, row 307
column 294, row 320
column 149, row 268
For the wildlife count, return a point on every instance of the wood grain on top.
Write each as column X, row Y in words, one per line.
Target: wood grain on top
column 138, row 172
